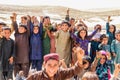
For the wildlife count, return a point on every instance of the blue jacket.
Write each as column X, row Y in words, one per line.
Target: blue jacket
column 35, row 44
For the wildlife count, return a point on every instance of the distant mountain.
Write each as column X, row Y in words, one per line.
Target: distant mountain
column 40, row 10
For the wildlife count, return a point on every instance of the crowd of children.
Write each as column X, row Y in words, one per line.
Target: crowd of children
column 35, row 39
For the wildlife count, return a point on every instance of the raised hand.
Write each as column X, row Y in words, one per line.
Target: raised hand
column 109, row 18
column 68, row 11
column 98, row 55
column 80, row 54
column 41, row 18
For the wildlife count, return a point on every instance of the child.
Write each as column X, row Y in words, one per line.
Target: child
column 52, row 71
column 52, row 41
column 36, row 46
column 102, row 69
column 110, row 30
column 63, row 45
column 106, row 47
column 21, row 47
column 1, row 40
column 46, row 25
column 115, row 47
column 95, row 42
column 116, row 75
column 7, row 52
column 83, row 39
column 104, row 43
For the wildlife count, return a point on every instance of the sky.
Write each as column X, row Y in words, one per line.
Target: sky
column 76, row 4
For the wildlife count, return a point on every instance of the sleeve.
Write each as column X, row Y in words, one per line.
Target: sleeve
column 29, row 25
column 13, row 49
column 57, row 34
column 70, row 72
column 74, row 37
column 100, row 46
column 35, row 76
column 113, row 46
column 15, row 26
column 94, row 65
column 40, row 29
column 93, row 33
column 67, row 18
column 107, row 27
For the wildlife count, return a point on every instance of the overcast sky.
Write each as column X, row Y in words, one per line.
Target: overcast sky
column 77, row 4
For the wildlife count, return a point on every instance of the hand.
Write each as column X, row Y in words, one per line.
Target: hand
column 32, row 18
column 114, row 55
column 28, row 17
column 11, row 60
column 80, row 54
column 62, row 63
column 13, row 17
column 21, row 73
column 74, row 49
column 98, row 55
column 109, row 18
column 41, row 18
column 108, row 55
column 68, row 11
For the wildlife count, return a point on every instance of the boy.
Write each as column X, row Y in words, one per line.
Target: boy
column 7, row 52
column 21, row 47
column 115, row 47
column 1, row 35
column 52, row 70
column 63, row 45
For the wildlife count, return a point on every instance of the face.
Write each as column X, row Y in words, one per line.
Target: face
column 72, row 21
column 36, row 30
column 1, row 28
column 102, row 59
column 51, row 67
column 48, row 20
column 7, row 34
column 105, row 41
column 21, row 30
column 111, row 29
column 64, row 27
column 83, row 33
column 23, row 21
column 45, row 21
column 59, row 27
column 117, row 37
column 85, row 64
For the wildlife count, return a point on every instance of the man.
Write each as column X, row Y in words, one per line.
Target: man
column 53, row 72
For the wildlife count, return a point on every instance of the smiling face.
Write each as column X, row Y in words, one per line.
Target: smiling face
column 111, row 29
column 117, row 37
column 51, row 67
column 82, row 33
column 7, row 34
column 21, row 30
column 102, row 59
column 64, row 27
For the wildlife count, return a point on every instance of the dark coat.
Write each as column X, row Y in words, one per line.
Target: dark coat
column 21, row 45
column 7, row 51
column 60, row 75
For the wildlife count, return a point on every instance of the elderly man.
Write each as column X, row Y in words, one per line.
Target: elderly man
column 52, row 71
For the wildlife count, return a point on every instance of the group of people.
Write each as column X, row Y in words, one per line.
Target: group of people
column 58, row 52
